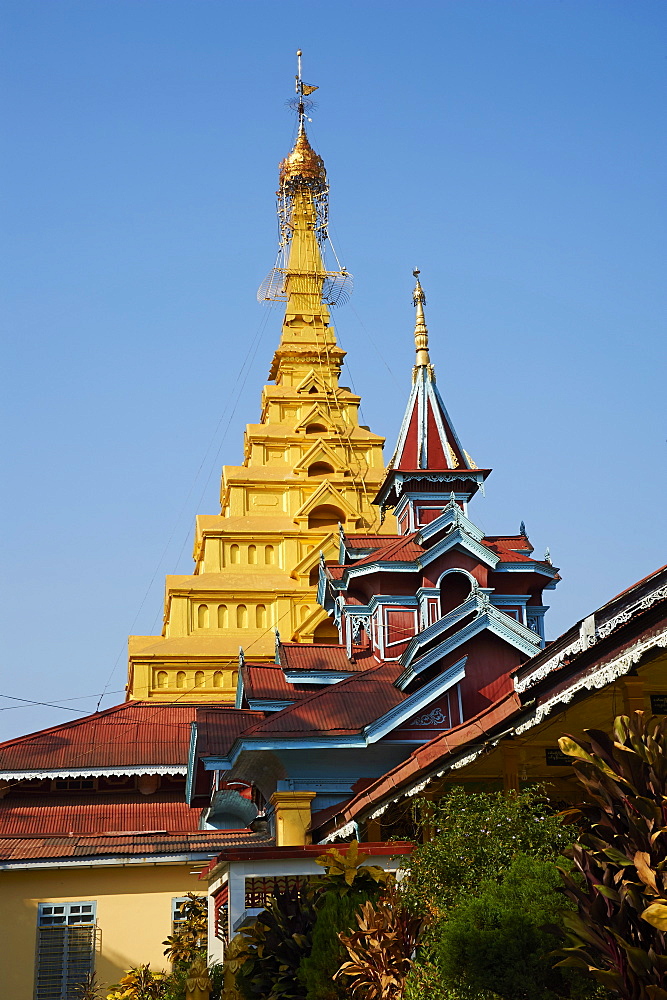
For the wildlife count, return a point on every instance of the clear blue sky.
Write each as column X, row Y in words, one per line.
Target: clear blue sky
column 513, row 149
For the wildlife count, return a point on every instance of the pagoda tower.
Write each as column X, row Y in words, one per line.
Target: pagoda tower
column 308, row 469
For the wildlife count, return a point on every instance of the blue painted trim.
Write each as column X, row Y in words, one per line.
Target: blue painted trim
column 416, row 702
column 238, row 703
column 317, row 676
column 527, row 567
column 510, row 630
column 192, row 760
column 266, row 705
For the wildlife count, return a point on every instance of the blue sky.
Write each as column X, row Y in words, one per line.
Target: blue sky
column 513, row 149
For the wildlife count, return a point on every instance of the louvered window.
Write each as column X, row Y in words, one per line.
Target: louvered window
column 65, row 949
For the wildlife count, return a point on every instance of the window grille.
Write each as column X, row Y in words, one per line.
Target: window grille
column 258, row 891
column 65, row 949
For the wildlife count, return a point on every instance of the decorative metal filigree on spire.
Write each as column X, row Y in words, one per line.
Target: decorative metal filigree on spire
column 303, row 206
column 423, row 359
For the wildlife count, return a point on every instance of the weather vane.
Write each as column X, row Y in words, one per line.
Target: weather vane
column 300, row 103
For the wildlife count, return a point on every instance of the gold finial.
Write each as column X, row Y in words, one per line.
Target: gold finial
column 421, row 331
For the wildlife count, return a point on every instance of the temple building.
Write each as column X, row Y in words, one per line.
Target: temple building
column 93, row 812
column 349, row 638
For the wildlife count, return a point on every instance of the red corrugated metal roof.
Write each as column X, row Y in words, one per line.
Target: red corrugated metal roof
column 54, row 848
column 304, row 656
column 24, row 814
column 131, row 734
column 403, row 549
column 268, row 683
column 370, row 541
column 345, row 707
column 217, row 728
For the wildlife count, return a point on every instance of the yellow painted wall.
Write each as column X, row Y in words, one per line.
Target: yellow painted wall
column 133, row 916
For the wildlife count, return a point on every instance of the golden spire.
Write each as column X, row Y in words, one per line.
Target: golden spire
column 421, row 330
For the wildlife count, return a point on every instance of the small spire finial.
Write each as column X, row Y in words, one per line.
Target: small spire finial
column 421, row 331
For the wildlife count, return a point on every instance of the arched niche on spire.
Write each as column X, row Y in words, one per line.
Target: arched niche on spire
column 311, row 384
column 319, row 454
column 326, row 508
column 325, row 517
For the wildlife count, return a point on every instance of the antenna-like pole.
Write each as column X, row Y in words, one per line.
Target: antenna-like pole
column 299, row 89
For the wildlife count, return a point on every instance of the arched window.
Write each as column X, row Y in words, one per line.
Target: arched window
column 252, row 554
column 260, row 616
column 269, row 555
column 161, row 678
column 199, row 679
column 241, row 616
column 326, row 633
column 314, row 576
column 455, row 587
column 202, row 616
column 234, row 554
column 320, row 469
column 217, row 679
column 235, row 678
column 223, row 616
column 316, row 429
column 325, row 518
column 304, row 611
column 180, row 679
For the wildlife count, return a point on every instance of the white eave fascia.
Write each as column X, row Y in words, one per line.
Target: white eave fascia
column 465, row 541
column 526, row 567
column 599, row 629
column 266, row 705
column 111, row 860
column 416, row 702
column 446, row 519
column 316, row 677
column 94, row 772
column 516, row 637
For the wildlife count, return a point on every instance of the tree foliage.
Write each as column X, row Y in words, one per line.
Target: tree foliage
column 188, row 942
column 621, row 858
column 498, row 941
column 474, row 837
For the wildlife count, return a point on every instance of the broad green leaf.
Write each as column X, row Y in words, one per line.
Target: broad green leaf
column 656, row 915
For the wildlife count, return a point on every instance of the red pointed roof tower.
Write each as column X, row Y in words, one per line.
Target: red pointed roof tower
column 429, row 452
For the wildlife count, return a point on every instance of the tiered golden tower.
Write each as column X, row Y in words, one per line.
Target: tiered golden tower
column 308, row 467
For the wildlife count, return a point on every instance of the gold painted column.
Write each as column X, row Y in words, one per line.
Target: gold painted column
column 292, row 813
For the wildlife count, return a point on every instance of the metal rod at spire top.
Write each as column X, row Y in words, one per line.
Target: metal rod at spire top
column 421, row 330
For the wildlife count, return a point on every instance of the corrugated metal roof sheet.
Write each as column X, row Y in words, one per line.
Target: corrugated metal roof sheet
column 76, row 813
column 54, row 848
column 133, row 734
column 262, row 681
column 345, row 707
column 403, row 549
column 370, row 541
column 303, row 656
column 217, row 728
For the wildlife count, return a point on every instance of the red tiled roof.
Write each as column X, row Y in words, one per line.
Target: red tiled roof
column 217, row 728
column 133, row 734
column 209, row 842
column 345, row 707
column 24, row 814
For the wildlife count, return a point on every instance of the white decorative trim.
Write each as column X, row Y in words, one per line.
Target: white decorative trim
column 599, row 678
column 588, row 637
column 93, row 772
